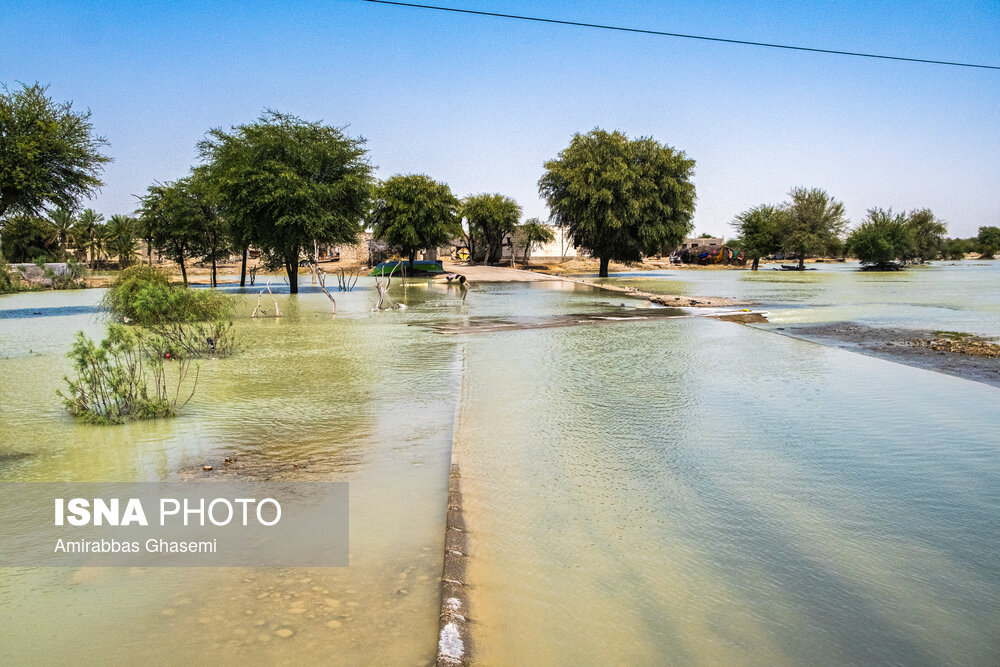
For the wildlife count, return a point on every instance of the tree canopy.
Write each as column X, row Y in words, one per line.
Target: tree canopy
column 758, row 231
column 812, row 223
column 173, row 218
column 928, row 234
column 415, row 212
column 490, row 218
column 286, row 183
column 620, row 199
column 989, row 241
column 884, row 240
column 49, row 154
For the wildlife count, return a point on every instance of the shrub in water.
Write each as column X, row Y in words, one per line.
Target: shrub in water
column 126, row 376
column 192, row 321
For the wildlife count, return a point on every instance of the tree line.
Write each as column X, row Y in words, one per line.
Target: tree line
column 283, row 185
column 812, row 223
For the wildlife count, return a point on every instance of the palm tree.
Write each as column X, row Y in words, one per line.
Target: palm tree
column 102, row 241
column 63, row 221
column 533, row 231
column 122, row 230
column 86, row 226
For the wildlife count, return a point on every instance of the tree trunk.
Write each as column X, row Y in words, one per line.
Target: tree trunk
column 756, row 263
column 802, row 261
column 292, row 269
column 413, row 258
column 215, row 279
column 527, row 250
column 605, row 261
column 184, row 272
column 243, row 269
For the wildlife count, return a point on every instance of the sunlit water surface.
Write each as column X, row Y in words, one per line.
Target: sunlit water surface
column 676, row 491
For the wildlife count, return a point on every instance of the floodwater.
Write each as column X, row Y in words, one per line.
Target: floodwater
column 642, row 491
column 958, row 296
column 697, row 492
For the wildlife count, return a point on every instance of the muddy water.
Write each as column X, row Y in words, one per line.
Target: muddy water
column 311, row 398
column 364, row 398
column 697, row 492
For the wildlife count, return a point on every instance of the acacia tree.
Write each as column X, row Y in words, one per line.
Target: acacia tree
column 812, row 223
column 883, row 239
column 414, row 212
column 49, row 154
column 214, row 243
column 289, row 183
column 171, row 218
column 532, row 232
column 928, row 234
column 989, row 242
column 758, row 232
column 490, row 218
column 620, row 199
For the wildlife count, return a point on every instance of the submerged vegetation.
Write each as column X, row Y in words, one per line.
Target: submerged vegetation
column 195, row 322
column 125, row 377
column 157, row 326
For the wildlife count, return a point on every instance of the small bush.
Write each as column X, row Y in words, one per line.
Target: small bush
column 125, row 377
column 143, row 295
column 192, row 322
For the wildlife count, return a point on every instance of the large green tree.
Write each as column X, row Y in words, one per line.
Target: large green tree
column 812, row 223
column 928, row 234
column 49, row 153
column 758, row 232
column 989, row 241
column 27, row 238
column 173, row 219
column 215, row 243
column 490, row 218
column 414, row 212
column 620, row 199
column 883, row 240
column 288, row 183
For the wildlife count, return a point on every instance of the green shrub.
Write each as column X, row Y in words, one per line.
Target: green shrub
column 143, row 295
column 126, row 377
column 192, row 322
column 10, row 281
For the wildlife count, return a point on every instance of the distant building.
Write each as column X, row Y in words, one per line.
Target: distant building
column 694, row 245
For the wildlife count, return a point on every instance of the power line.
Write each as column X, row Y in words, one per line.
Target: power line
column 661, row 33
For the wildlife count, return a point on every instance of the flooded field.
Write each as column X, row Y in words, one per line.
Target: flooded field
column 638, row 489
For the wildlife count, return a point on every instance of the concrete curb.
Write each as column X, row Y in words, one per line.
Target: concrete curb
column 454, row 646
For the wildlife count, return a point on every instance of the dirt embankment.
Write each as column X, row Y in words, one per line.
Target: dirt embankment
column 954, row 353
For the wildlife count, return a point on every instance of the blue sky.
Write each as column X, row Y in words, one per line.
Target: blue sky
column 482, row 103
